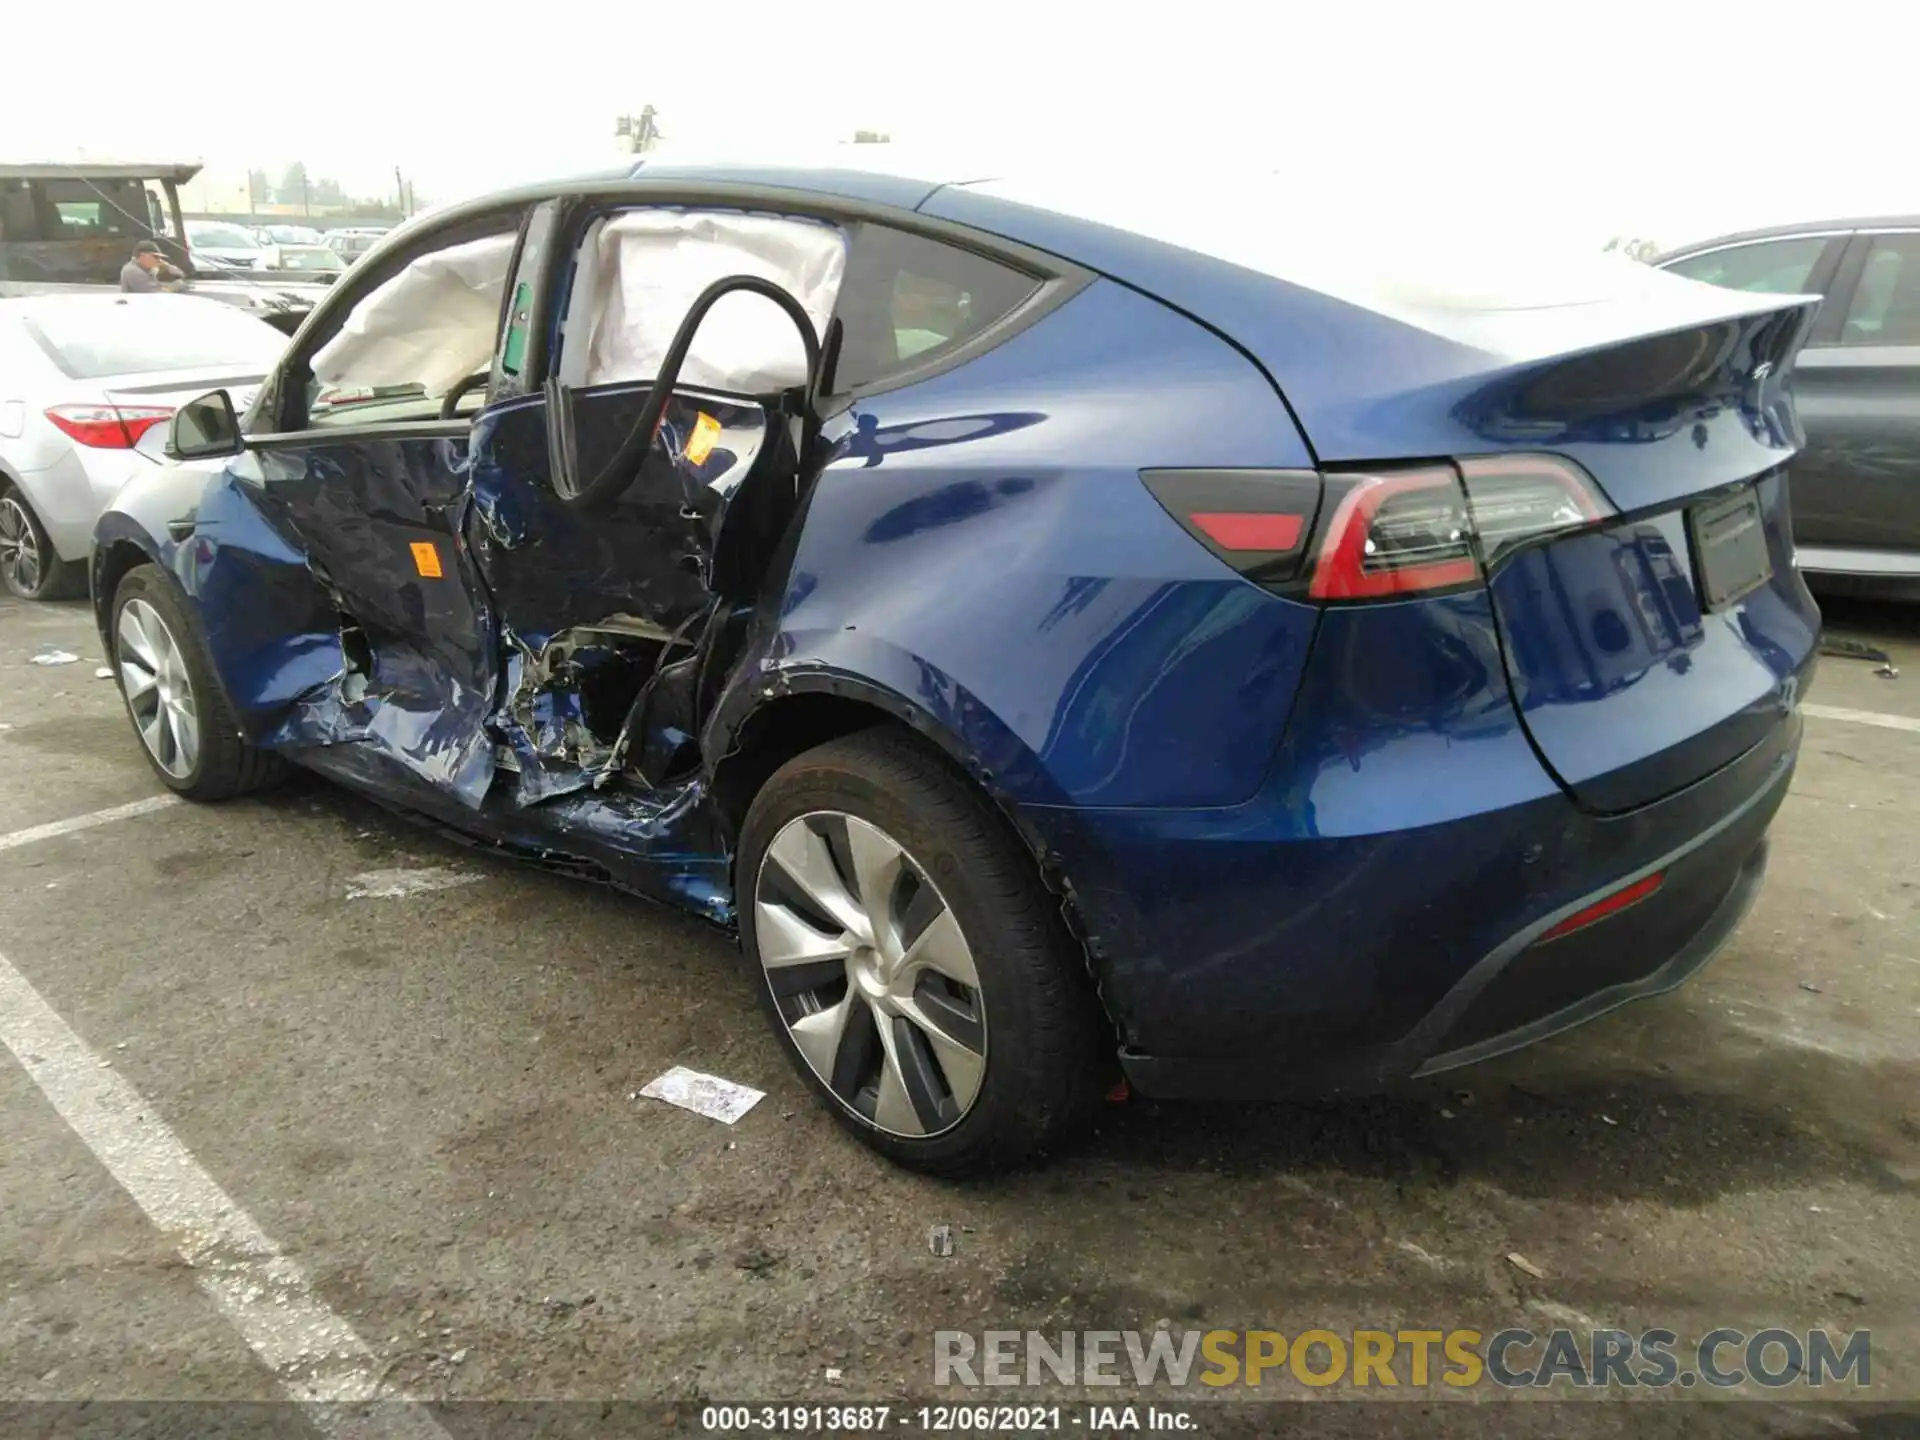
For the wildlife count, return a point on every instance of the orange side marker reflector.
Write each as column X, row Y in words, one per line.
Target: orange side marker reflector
column 426, row 559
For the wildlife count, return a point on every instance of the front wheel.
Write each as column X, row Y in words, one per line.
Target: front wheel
column 178, row 710
column 911, row 961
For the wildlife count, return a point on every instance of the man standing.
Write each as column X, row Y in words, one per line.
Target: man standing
column 148, row 270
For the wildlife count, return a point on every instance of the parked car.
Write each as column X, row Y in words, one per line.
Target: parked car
column 68, row 229
column 315, row 260
column 216, row 245
column 350, row 245
column 1856, row 485
column 87, row 384
column 1061, row 630
column 291, row 235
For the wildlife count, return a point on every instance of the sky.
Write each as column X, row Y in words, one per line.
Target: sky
column 1571, row 121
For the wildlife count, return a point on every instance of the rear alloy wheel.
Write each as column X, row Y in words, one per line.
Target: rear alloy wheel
column 179, row 713
column 29, row 565
column 911, row 960
column 886, row 1012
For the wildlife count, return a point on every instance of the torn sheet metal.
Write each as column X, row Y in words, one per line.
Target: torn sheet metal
column 445, row 744
column 432, row 325
column 651, row 266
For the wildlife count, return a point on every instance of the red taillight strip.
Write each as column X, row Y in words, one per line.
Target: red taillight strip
column 1612, row 905
column 1248, row 531
column 1340, row 572
column 108, row 427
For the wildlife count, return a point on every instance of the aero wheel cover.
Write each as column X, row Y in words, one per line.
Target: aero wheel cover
column 153, row 675
column 20, row 559
column 871, row 973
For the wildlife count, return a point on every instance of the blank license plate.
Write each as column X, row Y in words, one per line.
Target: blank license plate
column 1729, row 548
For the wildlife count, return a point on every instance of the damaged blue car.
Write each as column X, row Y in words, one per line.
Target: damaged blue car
column 1069, row 631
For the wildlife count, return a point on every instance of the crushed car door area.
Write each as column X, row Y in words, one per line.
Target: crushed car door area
column 368, row 472
column 618, row 608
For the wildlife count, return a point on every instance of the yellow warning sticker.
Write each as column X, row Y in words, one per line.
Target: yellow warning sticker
column 706, row 431
column 426, row 559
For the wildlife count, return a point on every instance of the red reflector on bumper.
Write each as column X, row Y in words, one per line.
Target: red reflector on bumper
column 1611, row 905
column 1250, row 531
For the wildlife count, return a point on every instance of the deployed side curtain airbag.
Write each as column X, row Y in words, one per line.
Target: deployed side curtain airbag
column 431, row 325
column 653, row 264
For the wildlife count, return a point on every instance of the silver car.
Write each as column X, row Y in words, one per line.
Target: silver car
column 88, row 383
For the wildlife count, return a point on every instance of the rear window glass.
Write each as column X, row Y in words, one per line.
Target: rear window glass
column 87, row 341
column 1769, row 267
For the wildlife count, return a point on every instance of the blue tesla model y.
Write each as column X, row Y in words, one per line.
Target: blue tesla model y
column 1064, row 629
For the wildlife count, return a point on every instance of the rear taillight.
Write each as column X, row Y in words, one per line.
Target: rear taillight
column 1411, row 530
column 1395, row 534
column 1258, row 521
column 1517, row 499
column 108, row 427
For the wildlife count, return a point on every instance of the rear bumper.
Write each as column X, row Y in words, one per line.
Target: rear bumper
column 1419, row 952
column 1525, row 990
column 1858, row 561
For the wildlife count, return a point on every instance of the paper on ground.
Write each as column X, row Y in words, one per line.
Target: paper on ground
column 706, row 1095
column 399, row 884
column 52, row 655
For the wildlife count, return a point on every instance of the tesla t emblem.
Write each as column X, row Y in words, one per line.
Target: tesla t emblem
column 1762, row 371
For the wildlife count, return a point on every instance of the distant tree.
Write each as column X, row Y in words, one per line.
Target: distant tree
column 259, row 188
column 327, row 192
column 1633, row 247
column 292, row 189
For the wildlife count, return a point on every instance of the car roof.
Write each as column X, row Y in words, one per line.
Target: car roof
column 41, row 306
column 1787, row 232
column 177, row 172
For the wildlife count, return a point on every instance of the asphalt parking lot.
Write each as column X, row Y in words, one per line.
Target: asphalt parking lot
column 427, row 1102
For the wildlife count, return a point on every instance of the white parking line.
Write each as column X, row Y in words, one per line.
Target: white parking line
column 87, row 822
column 1863, row 717
column 315, row 1355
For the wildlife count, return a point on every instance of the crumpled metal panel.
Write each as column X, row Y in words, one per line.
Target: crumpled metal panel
column 638, row 571
column 359, row 507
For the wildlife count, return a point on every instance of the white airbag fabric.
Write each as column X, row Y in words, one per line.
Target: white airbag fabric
column 653, row 264
column 431, row 325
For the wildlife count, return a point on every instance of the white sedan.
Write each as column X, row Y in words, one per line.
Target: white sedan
column 87, row 386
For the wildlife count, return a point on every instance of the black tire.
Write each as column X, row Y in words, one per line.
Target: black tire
column 226, row 765
column 1047, row 1047
column 57, row 579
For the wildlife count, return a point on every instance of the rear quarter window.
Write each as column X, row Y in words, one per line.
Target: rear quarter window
column 907, row 300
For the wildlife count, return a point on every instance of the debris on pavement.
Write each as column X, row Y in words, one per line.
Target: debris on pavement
column 1520, row 1262
column 756, row 1260
column 1810, row 987
column 54, row 655
column 1847, row 649
column 706, row 1095
column 401, row 884
column 103, row 672
column 940, row 1240
column 834, row 1375
column 1888, row 671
